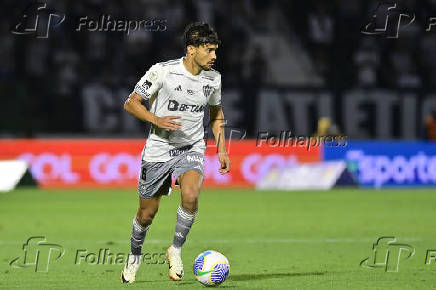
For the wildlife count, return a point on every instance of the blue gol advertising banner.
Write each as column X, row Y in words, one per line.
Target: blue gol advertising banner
column 388, row 163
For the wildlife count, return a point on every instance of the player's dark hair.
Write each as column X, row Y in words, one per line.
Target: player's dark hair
column 199, row 33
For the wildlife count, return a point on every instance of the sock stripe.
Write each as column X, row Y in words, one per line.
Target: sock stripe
column 184, row 214
column 137, row 237
column 185, row 220
column 138, row 227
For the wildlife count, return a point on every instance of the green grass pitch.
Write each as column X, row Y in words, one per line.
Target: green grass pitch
column 273, row 240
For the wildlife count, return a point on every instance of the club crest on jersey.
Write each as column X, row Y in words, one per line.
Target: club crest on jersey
column 207, row 91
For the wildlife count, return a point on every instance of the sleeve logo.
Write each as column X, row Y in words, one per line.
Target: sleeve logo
column 153, row 76
column 146, row 85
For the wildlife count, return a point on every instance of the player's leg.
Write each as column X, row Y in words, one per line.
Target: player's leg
column 190, row 184
column 155, row 181
column 141, row 223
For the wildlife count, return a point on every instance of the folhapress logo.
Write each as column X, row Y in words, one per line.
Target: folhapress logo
column 388, row 254
column 387, row 20
column 37, row 20
column 38, row 253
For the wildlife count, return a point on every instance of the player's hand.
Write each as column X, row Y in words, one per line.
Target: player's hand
column 225, row 163
column 168, row 122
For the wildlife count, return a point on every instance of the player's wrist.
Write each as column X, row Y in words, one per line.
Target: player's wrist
column 155, row 120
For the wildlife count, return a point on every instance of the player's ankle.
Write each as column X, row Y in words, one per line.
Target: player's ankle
column 175, row 249
column 134, row 258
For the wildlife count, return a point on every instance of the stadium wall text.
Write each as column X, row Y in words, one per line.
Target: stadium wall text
column 115, row 162
column 361, row 113
column 388, row 163
column 72, row 163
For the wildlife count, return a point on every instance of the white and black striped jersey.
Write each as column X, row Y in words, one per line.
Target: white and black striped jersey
column 173, row 91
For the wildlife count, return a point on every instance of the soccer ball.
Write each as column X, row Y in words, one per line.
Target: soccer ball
column 211, row 268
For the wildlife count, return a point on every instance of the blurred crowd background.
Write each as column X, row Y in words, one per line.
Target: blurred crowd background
column 74, row 82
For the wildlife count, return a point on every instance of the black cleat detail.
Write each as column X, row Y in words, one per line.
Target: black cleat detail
column 122, row 279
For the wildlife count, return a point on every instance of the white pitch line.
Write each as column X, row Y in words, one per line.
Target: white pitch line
column 225, row 241
column 274, row 241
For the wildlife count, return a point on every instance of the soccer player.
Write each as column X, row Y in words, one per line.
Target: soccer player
column 178, row 92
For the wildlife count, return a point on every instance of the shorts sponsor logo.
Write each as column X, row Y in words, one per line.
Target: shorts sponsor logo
column 178, row 151
column 194, row 158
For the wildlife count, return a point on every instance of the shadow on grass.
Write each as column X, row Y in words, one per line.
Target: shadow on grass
column 242, row 277
column 247, row 277
column 181, row 283
column 167, row 281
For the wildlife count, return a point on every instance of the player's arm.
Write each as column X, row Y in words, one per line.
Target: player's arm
column 147, row 86
column 217, row 123
column 134, row 106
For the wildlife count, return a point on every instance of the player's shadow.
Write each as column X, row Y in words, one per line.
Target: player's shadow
column 247, row 277
column 180, row 283
column 165, row 281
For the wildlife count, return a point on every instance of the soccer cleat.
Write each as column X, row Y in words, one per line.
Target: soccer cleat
column 175, row 267
column 129, row 272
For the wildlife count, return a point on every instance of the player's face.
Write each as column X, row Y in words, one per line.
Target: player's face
column 205, row 56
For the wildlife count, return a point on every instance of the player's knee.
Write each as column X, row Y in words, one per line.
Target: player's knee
column 190, row 206
column 190, row 193
column 146, row 216
column 190, row 198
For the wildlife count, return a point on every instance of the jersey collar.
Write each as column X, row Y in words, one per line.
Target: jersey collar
column 188, row 73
